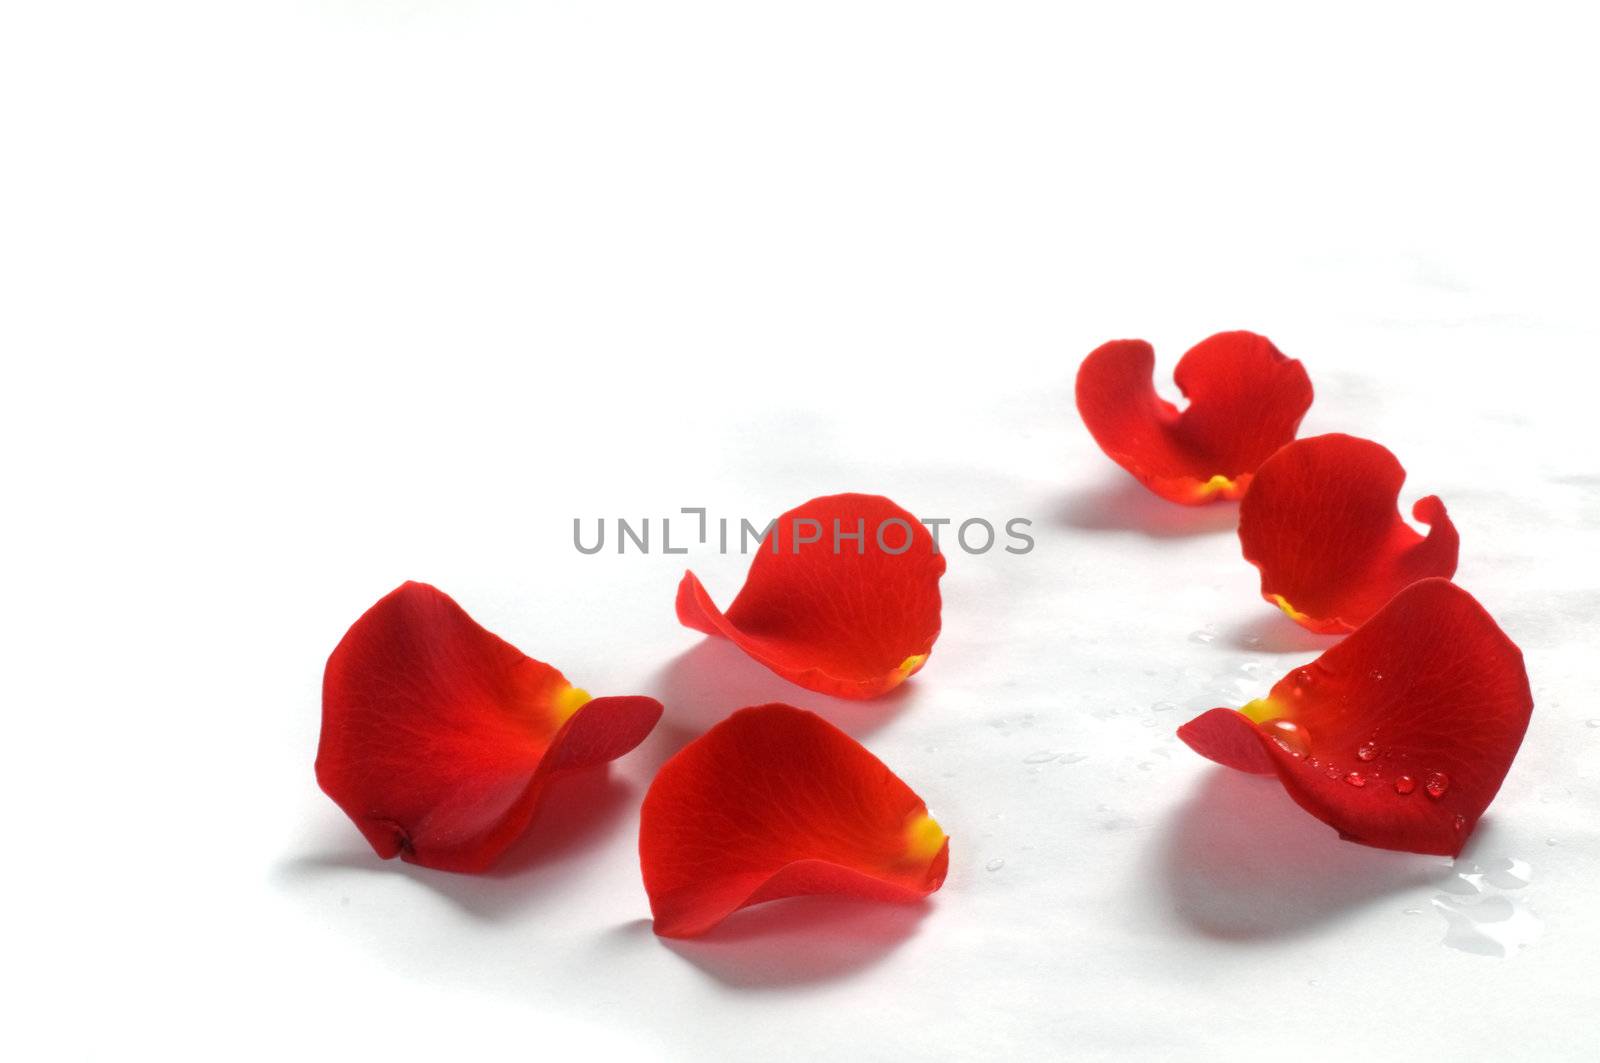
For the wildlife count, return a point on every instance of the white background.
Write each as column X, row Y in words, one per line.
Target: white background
column 299, row 300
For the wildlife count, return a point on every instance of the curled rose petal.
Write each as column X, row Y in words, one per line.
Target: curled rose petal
column 776, row 802
column 1397, row 737
column 1246, row 400
column 438, row 737
column 1321, row 522
column 842, row 597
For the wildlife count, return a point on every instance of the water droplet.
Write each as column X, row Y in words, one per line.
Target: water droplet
column 1044, row 756
column 1509, row 874
column 994, row 865
column 1463, row 883
column 1305, row 679
column 1375, row 675
column 1368, row 752
column 1332, row 772
column 1437, row 784
column 1551, row 841
column 1592, row 723
column 1412, row 911
column 1294, row 739
column 1405, row 784
column 1231, row 696
column 1491, row 926
column 1253, row 641
column 1145, row 765
column 1461, row 821
column 1164, row 706
column 1202, row 636
column 1073, row 758
column 1355, row 778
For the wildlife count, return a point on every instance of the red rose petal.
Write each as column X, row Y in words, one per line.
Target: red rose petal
column 854, row 623
column 1399, row 736
column 1321, row 522
column 1246, row 400
column 776, row 802
column 438, row 737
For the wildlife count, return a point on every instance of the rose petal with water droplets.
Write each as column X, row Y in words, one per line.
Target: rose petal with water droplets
column 1451, row 709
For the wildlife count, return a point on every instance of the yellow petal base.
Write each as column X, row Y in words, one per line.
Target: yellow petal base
column 570, row 701
column 908, row 666
column 1261, row 710
column 924, row 837
column 1290, row 611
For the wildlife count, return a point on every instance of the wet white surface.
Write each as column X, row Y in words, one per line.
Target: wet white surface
column 307, row 299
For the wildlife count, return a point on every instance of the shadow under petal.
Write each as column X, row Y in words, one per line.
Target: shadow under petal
column 1242, row 862
column 1272, row 632
column 577, row 812
column 1127, row 505
column 800, row 941
column 704, row 685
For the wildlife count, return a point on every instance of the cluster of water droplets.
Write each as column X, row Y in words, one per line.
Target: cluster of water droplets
column 1026, row 741
column 1296, row 740
column 1008, row 725
column 1050, row 756
column 1484, row 910
column 1235, row 684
